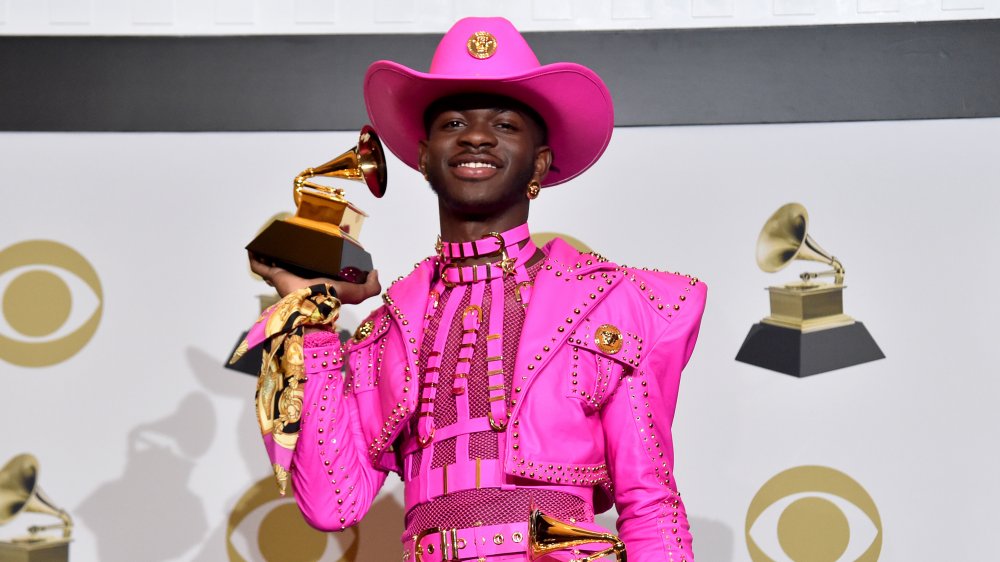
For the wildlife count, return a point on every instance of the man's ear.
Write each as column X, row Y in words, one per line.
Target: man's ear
column 543, row 161
column 422, row 158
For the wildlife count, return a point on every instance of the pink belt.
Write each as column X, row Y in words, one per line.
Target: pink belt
column 443, row 480
column 450, row 545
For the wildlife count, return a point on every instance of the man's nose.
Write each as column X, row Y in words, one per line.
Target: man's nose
column 478, row 134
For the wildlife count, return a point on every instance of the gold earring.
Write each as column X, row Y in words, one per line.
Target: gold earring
column 534, row 188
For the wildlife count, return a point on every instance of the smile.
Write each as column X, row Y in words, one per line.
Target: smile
column 475, row 170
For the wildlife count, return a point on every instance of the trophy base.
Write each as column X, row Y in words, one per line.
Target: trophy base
column 50, row 550
column 808, row 307
column 310, row 253
column 801, row 354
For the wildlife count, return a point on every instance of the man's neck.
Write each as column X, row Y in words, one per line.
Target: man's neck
column 459, row 226
column 474, row 230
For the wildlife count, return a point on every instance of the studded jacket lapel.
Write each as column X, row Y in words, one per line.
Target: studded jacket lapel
column 406, row 300
column 560, row 299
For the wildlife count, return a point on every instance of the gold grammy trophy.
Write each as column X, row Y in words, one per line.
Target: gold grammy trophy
column 321, row 240
column 20, row 493
column 807, row 331
column 547, row 534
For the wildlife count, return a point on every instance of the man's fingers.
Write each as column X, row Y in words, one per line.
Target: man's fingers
column 286, row 282
column 257, row 266
column 265, row 270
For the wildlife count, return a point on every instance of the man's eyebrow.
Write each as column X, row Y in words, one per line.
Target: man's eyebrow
column 498, row 110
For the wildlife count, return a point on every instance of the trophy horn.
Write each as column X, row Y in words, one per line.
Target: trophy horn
column 365, row 163
column 547, row 534
column 19, row 492
column 784, row 239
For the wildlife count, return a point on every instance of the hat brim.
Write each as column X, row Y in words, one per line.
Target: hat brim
column 572, row 100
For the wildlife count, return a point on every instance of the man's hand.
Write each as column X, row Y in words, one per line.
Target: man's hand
column 285, row 282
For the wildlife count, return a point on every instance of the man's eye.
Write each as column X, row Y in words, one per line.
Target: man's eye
column 452, row 124
column 507, row 126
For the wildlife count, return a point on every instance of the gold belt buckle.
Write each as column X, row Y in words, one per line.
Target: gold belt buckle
column 506, row 262
column 449, row 542
column 444, row 277
column 520, row 291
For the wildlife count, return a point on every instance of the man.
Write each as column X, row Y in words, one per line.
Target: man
column 498, row 378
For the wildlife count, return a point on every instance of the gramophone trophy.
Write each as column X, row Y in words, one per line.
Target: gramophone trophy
column 807, row 331
column 20, row 493
column 321, row 240
column 547, row 534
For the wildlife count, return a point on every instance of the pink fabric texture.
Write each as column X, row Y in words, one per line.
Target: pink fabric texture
column 320, row 338
column 572, row 99
column 581, row 414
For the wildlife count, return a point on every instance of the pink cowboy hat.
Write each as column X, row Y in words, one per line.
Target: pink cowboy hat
column 488, row 55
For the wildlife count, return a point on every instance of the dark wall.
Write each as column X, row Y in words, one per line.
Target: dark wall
column 657, row 77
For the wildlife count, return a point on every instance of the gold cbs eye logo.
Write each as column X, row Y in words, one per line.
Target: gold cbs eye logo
column 51, row 303
column 542, row 238
column 267, row 526
column 813, row 514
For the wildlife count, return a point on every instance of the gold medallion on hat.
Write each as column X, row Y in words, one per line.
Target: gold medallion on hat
column 608, row 339
column 482, row 44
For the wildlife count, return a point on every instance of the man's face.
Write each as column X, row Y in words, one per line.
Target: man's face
column 481, row 152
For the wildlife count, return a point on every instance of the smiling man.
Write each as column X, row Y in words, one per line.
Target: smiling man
column 502, row 382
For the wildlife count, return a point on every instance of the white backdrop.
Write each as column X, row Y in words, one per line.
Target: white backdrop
column 266, row 17
column 150, row 443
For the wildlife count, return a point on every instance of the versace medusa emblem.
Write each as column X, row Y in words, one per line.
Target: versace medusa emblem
column 608, row 339
column 364, row 330
column 482, row 44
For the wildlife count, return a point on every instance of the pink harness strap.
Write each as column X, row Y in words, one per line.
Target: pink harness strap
column 484, row 246
column 472, row 316
column 428, row 390
column 494, row 360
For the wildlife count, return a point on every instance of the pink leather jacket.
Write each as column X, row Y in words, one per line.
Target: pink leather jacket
column 609, row 432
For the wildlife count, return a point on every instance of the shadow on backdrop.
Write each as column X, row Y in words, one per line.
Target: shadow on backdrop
column 259, row 524
column 713, row 540
column 150, row 513
column 221, row 382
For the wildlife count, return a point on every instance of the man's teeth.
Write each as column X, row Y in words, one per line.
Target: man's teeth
column 476, row 165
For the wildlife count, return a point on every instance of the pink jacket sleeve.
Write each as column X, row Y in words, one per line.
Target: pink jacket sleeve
column 637, row 423
column 332, row 475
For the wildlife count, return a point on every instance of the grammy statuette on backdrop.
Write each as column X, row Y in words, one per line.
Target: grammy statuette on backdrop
column 807, row 331
column 321, row 240
column 20, row 493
